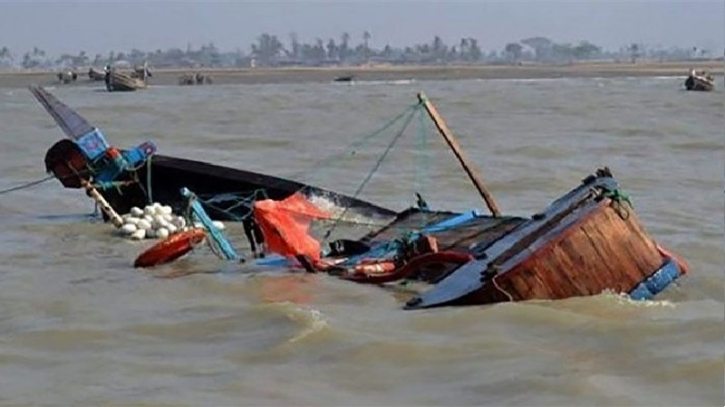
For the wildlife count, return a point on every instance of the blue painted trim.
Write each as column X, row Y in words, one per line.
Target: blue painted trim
column 657, row 282
column 215, row 233
column 274, row 260
column 452, row 222
column 379, row 251
column 93, row 144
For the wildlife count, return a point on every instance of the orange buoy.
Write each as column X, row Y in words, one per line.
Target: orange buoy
column 411, row 267
column 374, row 267
column 171, row 248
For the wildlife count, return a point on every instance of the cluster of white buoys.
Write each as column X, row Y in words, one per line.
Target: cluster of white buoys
column 155, row 221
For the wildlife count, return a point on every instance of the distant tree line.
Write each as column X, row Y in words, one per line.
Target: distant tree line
column 269, row 50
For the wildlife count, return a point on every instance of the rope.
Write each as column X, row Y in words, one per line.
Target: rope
column 353, row 146
column 617, row 197
column 27, row 185
column 377, row 165
column 246, row 201
column 495, row 284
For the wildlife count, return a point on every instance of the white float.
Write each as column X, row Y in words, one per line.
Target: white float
column 155, row 221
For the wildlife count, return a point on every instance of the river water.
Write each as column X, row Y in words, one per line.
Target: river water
column 80, row 326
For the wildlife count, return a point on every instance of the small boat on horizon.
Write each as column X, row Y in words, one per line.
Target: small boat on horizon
column 345, row 78
column 117, row 81
column 699, row 81
column 96, row 75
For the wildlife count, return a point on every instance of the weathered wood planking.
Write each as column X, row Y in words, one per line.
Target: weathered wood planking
column 602, row 251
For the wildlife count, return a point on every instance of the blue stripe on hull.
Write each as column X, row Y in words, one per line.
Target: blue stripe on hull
column 657, row 282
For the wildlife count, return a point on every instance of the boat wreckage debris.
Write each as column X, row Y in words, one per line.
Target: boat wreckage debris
column 586, row 242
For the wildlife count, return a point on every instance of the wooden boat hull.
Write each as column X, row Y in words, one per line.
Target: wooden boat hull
column 140, row 176
column 226, row 193
column 119, row 82
column 223, row 190
column 699, row 83
column 587, row 242
column 584, row 244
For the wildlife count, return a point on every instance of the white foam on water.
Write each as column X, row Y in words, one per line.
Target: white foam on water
column 336, row 211
column 311, row 319
column 625, row 299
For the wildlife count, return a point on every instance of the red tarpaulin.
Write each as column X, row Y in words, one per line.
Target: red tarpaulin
column 285, row 225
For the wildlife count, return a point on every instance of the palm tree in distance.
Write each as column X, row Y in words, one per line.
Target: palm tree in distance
column 366, row 38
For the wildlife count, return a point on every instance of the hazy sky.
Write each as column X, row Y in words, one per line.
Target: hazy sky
column 98, row 26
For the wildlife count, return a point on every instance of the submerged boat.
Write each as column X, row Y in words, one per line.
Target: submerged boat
column 699, row 81
column 587, row 242
column 137, row 176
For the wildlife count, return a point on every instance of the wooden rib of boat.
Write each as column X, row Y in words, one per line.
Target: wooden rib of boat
column 699, row 81
column 137, row 176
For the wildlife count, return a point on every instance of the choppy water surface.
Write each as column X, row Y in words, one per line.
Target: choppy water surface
column 80, row 326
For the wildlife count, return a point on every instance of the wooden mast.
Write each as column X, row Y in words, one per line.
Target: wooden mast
column 470, row 169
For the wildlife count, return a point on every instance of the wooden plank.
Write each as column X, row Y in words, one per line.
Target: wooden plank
column 473, row 173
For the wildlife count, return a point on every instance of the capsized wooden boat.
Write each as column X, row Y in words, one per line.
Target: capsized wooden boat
column 587, row 242
column 699, row 81
column 138, row 176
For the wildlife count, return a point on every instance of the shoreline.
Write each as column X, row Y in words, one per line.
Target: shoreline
column 169, row 76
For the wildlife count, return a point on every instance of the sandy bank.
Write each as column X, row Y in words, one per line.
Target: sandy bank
column 388, row 73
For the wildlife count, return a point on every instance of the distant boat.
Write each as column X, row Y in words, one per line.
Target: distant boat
column 700, row 81
column 67, row 77
column 347, row 78
column 120, row 82
column 95, row 75
column 195, row 79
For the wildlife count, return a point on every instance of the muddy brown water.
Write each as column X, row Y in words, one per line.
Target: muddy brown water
column 80, row 326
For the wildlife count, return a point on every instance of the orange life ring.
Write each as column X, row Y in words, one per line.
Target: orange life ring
column 411, row 267
column 170, row 248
